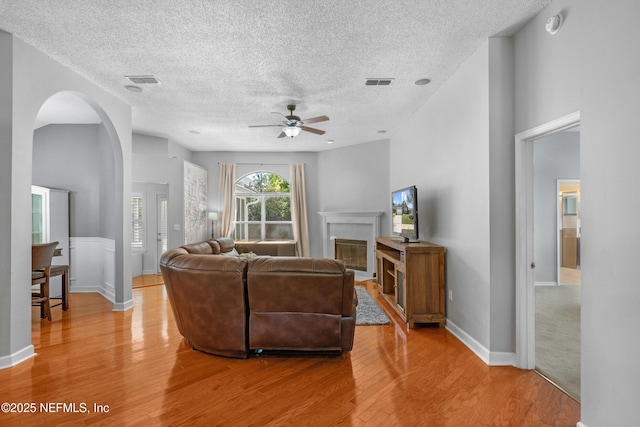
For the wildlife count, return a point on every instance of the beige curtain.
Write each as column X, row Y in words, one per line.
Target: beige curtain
column 227, row 184
column 299, row 209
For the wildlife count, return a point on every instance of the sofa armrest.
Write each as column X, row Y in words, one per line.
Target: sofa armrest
column 208, row 298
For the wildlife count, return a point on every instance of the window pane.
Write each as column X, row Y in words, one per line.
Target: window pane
column 246, row 232
column 278, row 209
column 248, row 209
column 137, row 222
column 279, row 231
column 263, row 182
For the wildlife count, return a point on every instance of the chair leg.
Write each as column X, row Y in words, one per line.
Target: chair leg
column 65, row 290
column 45, row 306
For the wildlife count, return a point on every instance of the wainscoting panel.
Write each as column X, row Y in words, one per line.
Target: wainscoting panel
column 93, row 266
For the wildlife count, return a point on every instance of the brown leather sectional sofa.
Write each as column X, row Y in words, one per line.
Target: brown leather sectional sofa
column 229, row 304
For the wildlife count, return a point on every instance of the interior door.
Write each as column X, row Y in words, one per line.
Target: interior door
column 162, row 209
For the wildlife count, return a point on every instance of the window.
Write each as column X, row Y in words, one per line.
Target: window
column 263, row 208
column 137, row 221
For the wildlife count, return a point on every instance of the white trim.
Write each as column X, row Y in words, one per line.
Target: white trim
column 546, row 284
column 18, row 357
column 488, row 357
column 124, row 306
column 525, row 295
column 581, row 424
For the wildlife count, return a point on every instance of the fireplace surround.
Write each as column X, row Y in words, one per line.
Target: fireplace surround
column 363, row 226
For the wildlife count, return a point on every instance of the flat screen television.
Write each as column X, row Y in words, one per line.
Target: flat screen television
column 404, row 213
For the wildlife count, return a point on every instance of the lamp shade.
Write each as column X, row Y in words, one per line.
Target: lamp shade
column 291, row 131
column 213, row 216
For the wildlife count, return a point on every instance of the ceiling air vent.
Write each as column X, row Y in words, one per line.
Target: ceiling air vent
column 378, row 82
column 143, row 79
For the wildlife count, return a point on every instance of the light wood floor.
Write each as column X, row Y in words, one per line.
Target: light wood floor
column 136, row 363
column 146, row 280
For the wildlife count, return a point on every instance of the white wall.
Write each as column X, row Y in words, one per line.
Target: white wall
column 556, row 156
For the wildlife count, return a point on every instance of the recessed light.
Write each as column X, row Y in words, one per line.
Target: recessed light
column 330, row 141
column 382, row 131
column 133, row 88
column 422, row 82
column 195, row 132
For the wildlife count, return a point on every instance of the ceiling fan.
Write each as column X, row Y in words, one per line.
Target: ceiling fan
column 292, row 125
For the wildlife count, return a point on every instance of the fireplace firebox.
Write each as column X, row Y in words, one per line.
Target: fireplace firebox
column 352, row 252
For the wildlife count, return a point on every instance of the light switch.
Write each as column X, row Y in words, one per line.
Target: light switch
column 176, row 227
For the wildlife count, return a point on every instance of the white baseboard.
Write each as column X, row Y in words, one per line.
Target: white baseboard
column 127, row 305
column 581, row 424
column 545, row 284
column 494, row 358
column 18, row 357
column 149, row 272
column 93, row 268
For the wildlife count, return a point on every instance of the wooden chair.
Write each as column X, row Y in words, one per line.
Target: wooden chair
column 41, row 256
column 61, row 270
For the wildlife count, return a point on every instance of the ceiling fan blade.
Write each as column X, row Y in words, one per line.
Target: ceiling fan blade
column 316, row 119
column 282, row 135
column 312, row 130
column 263, row 126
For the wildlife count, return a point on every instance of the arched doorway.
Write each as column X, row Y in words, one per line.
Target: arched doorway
column 74, row 137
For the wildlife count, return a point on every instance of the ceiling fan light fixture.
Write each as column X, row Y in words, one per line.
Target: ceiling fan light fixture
column 291, row 131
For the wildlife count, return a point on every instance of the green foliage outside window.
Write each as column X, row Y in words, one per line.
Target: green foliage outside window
column 252, row 192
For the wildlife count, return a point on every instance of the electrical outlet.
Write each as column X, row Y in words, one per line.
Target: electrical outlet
column 450, row 295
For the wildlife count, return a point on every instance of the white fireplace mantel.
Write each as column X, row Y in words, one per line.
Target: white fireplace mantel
column 371, row 223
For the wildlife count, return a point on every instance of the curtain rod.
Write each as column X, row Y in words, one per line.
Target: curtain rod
column 264, row 164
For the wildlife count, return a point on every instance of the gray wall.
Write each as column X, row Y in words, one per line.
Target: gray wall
column 156, row 161
column 356, row 179
column 61, row 154
column 149, row 191
column 31, row 78
column 556, row 156
column 609, row 153
column 592, row 65
column 273, row 162
column 444, row 150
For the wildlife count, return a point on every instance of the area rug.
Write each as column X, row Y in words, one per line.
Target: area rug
column 368, row 311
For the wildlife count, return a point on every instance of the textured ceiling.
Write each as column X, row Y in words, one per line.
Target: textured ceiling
column 225, row 65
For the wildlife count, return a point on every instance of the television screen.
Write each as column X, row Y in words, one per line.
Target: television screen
column 404, row 213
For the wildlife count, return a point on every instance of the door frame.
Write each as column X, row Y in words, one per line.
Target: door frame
column 525, row 256
column 160, row 196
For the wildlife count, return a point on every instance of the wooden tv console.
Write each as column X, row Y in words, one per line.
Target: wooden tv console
column 411, row 279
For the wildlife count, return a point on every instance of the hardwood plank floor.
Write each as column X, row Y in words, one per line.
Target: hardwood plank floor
column 137, row 364
column 147, row 280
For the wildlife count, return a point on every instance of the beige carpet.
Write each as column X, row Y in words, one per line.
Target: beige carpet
column 558, row 336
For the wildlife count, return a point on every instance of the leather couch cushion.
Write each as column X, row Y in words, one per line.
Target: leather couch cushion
column 215, row 247
column 297, row 265
column 198, row 248
column 226, row 244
